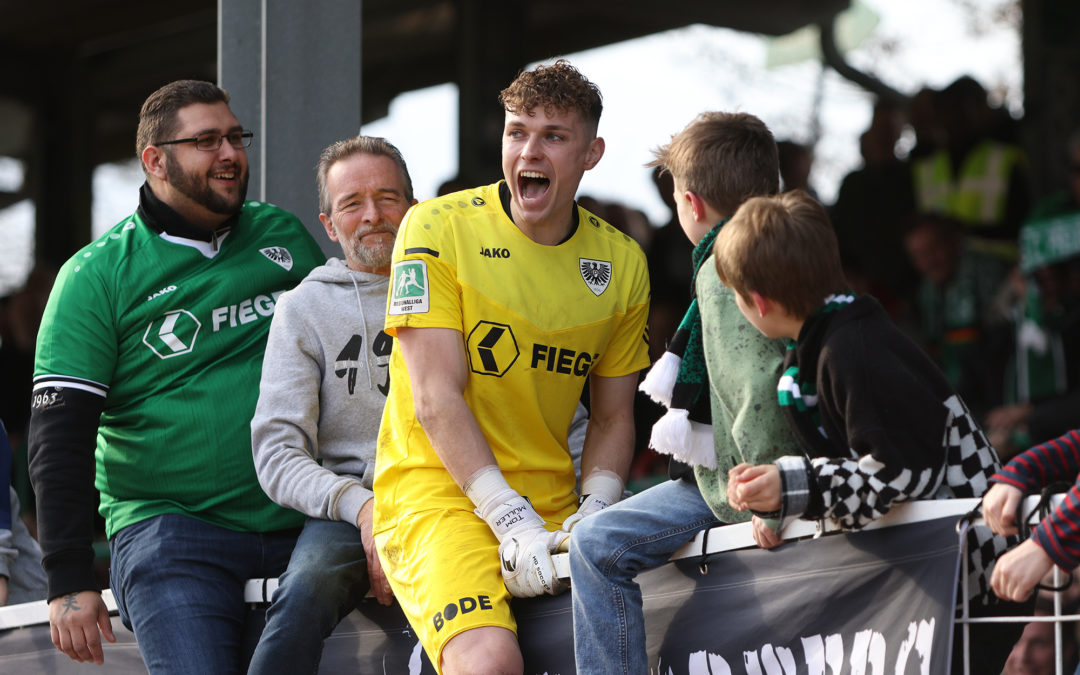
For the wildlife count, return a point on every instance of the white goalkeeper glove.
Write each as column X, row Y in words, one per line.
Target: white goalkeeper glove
column 599, row 490
column 525, row 545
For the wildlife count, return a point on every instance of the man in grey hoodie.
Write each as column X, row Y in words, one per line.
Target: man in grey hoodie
column 324, row 384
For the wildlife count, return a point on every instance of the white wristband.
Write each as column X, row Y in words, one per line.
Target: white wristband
column 501, row 507
column 486, row 487
column 602, row 485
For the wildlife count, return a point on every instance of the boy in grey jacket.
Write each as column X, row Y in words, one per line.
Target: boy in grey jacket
column 323, row 388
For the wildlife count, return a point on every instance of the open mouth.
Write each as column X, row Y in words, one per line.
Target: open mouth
column 532, row 184
column 228, row 174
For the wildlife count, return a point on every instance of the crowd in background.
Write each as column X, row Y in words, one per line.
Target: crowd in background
column 951, row 242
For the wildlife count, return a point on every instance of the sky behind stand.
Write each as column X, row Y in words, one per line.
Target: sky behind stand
column 652, row 88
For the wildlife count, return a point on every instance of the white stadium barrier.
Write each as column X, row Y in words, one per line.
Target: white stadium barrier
column 719, row 602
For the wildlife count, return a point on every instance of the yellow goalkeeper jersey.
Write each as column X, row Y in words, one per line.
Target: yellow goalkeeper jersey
column 536, row 321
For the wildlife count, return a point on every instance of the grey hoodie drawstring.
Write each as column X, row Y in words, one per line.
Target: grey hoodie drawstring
column 363, row 328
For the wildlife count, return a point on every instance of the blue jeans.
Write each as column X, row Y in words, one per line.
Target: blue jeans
column 327, row 578
column 179, row 584
column 607, row 550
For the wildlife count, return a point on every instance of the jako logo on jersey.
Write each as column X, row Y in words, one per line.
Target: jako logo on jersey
column 596, row 273
column 562, row 360
column 495, row 252
column 492, row 348
column 167, row 289
column 246, row 311
column 410, row 286
column 280, row 255
column 172, row 334
column 462, row 606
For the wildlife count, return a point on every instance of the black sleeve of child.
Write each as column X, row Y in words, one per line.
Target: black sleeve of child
column 885, row 423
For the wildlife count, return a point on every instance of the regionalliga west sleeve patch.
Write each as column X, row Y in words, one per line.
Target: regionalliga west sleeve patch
column 410, row 288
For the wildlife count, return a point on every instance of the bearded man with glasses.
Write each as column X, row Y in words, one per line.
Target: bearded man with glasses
column 146, row 377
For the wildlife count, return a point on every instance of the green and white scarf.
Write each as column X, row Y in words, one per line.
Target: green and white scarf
column 796, row 391
column 679, row 381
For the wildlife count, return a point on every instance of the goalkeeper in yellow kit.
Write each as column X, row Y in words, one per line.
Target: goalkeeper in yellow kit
column 506, row 299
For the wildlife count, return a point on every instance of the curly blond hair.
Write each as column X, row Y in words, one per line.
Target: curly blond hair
column 559, row 86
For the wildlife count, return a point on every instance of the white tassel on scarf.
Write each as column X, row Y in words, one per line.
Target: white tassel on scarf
column 660, row 380
column 675, row 434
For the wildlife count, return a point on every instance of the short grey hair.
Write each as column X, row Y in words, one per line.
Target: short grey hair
column 358, row 145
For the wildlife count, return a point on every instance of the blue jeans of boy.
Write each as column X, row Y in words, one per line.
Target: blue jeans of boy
column 607, row 550
column 327, row 578
column 179, row 584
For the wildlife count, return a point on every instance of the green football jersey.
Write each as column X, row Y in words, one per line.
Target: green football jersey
column 171, row 333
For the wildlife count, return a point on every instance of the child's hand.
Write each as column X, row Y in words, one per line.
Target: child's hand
column 764, row 535
column 733, row 481
column 755, row 487
column 1017, row 572
column 999, row 508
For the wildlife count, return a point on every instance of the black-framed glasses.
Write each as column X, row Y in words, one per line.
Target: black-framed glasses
column 212, row 141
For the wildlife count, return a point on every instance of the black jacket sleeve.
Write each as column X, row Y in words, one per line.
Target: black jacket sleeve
column 886, row 421
column 62, row 436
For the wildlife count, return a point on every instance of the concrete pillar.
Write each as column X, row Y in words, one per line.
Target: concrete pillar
column 490, row 56
column 293, row 72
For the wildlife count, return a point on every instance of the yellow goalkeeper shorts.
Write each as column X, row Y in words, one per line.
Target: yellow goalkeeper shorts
column 443, row 566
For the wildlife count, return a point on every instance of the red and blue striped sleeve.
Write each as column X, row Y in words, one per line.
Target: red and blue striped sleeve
column 1055, row 461
column 1059, row 534
column 1051, row 462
